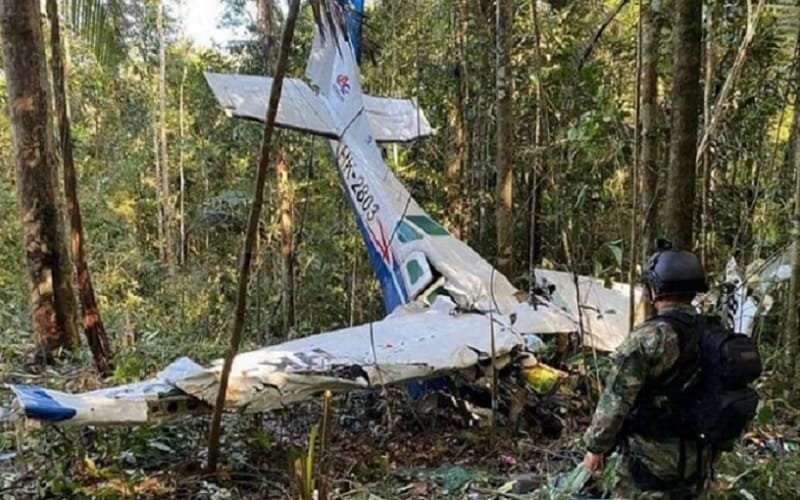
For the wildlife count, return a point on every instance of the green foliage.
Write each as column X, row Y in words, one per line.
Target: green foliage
column 745, row 472
column 100, row 24
column 586, row 155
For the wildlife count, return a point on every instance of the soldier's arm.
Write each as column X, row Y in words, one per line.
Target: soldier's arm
column 633, row 364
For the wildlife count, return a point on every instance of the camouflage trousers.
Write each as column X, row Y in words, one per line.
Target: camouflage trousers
column 624, row 487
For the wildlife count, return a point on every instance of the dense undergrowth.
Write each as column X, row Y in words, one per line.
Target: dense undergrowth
column 383, row 445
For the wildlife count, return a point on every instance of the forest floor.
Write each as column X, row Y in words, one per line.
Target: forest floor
column 382, row 445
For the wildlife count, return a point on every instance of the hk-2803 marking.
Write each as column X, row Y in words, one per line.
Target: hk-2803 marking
column 364, row 200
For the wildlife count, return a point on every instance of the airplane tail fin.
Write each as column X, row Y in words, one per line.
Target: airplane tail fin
column 333, row 64
column 355, row 22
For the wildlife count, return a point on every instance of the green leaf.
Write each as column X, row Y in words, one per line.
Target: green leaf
column 765, row 414
column 615, row 247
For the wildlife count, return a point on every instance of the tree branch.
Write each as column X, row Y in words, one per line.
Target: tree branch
column 589, row 48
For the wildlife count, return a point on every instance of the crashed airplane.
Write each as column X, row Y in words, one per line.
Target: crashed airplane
column 447, row 308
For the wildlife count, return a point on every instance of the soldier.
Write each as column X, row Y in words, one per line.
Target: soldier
column 657, row 464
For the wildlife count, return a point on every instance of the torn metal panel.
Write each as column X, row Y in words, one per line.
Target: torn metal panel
column 406, row 348
column 762, row 275
column 603, row 311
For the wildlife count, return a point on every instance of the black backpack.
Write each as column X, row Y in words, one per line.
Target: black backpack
column 707, row 396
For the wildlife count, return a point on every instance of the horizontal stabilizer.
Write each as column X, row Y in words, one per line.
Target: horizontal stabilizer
column 395, row 120
column 245, row 96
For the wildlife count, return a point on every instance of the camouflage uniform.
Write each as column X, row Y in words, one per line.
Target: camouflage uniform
column 649, row 351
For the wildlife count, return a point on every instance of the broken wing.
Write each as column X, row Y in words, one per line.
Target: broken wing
column 398, row 349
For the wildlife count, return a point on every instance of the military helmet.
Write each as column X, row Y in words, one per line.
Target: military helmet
column 675, row 272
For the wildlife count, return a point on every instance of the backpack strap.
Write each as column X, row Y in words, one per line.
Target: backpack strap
column 658, row 409
column 689, row 329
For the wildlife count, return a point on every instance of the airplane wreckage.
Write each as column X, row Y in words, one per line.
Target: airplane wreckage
column 448, row 309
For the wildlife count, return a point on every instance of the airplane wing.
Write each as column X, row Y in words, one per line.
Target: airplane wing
column 246, row 96
column 407, row 346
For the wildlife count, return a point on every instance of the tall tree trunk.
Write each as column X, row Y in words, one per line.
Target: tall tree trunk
column 505, row 131
column 286, row 214
column 166, row 202
column 184, row 246
column 792, row 327
column 651, row 27
column 159, row 206
column 456, row 213
column 708, row 85
column 93, row 326
column 534, row 237
column 51, row 295
column 635, row 187
column 481, row 148
column 250, row 237
column 687, row 38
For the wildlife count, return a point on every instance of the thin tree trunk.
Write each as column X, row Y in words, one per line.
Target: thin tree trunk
column 166, row 201
column 92, row 322
column 650, row 165
column 482, row 146
column 183, row 248
column 792, row 328
column 353, row 277
column 505, row 130
column 159, row 206
column 534, row 239
column 687, row 38
column 51, row 295
column 252, row 230
column 266, row 32
column 637, row 149
column 460, row 152
column 286, row 216
column 708, row 86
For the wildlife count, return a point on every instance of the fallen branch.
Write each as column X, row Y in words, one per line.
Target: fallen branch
column 587, row 51
column 250, row 238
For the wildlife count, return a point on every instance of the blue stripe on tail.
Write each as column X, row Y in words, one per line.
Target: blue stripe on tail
column 355, row 21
